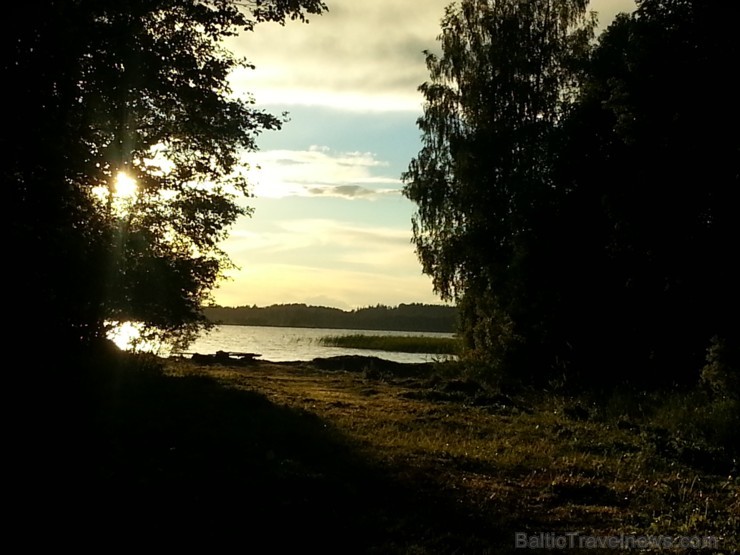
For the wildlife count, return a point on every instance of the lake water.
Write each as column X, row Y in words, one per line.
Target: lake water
column 286, row 344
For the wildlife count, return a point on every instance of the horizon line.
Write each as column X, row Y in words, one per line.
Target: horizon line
column 378, row 305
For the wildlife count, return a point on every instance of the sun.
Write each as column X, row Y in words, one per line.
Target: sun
column 126, row 186
column 131, row 336
column 124, row 335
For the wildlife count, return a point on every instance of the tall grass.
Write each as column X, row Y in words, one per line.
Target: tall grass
column 393, row 343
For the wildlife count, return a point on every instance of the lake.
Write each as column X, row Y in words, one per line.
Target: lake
column 285, row 344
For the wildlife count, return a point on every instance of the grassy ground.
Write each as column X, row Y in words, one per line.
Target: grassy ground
column 362, row 459
column 399, row 344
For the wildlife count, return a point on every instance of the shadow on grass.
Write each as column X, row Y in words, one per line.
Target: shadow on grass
column 185, row 457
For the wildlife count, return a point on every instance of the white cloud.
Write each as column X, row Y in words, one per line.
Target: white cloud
column 319, row 171
column 326, row 243
column 364, row 56
column 359, row 55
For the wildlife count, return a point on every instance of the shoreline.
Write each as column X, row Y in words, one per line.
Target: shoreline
column 346, row 363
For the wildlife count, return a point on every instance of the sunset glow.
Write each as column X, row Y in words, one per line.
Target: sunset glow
column 330, row 224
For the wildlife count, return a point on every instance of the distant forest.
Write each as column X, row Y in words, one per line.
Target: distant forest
column 405, row 317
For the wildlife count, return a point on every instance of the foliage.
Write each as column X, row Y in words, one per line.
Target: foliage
column 97, row 88
column 652, row 167
column 483, row 179
column 722, row 370
column 579, row 199
column 404, row 317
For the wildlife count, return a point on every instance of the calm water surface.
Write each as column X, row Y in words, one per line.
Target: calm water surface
column 284, row 344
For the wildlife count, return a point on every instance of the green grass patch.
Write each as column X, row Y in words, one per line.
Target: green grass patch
column 393, row 343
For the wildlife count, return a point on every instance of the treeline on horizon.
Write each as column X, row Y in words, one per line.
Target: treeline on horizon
column 404, row 317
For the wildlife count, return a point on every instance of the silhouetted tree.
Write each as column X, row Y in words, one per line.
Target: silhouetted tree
column 94, row 88
column 581, row 201
column 652, row 160
column 408, row 317
column 483, row 180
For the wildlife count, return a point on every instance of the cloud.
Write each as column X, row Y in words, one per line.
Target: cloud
column 320, row 171
column 351, row 191
column 265, row 284
column 327, row 244
column 364, row 56
column 359, row 55
column 347, row 191
column 320, row 258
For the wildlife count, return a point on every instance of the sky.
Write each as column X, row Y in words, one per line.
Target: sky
column 330, row 226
